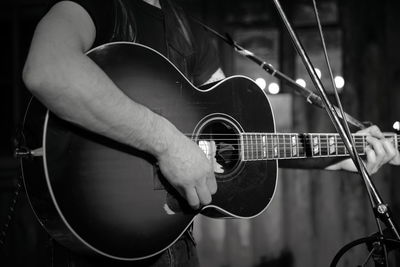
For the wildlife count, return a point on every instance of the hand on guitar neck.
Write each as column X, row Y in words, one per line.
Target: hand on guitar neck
column 381, row 150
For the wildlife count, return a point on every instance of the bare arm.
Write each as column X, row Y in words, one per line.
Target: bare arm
column 59, row 74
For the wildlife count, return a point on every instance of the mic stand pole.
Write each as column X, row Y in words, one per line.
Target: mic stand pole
column 311, row 97
column 381, row 210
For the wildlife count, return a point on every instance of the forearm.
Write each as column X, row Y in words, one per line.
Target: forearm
column 72, row 86
column 75, row 89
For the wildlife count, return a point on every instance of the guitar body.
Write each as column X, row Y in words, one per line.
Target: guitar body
column 95, row 195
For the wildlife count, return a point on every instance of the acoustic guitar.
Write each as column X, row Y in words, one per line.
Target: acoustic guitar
column 98, row 196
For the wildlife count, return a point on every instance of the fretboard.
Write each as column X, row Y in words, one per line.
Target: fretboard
column 264, row 146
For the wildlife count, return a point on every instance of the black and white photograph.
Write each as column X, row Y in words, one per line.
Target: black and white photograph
column 200, row 133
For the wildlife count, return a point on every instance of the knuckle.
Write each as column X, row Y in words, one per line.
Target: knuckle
column 375, row 129
column 372, row 140
column 200, row 181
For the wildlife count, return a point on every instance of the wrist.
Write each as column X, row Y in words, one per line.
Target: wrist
column 164, row 135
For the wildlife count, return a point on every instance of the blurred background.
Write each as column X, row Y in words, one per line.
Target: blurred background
column 314, row 213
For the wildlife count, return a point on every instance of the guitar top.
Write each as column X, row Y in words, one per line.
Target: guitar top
column 96, row 195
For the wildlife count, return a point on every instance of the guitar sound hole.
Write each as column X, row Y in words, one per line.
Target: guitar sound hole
column 227, row 152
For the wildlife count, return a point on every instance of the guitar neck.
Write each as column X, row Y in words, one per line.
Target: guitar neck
column 266, row 146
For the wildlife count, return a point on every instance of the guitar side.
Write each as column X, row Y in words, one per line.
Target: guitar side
column 104, row 197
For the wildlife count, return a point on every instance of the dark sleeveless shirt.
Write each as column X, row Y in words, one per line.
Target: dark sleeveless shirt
column 166, row 30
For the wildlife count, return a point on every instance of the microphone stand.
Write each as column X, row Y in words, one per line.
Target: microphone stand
column 310, row 97
column 380, row 209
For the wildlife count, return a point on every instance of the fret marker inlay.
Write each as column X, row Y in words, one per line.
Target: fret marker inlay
column 264, row 144
column 275, row 146
column 294, row 146
column 315, row 145
column 332, row 146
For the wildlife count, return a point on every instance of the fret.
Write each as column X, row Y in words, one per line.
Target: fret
column 357, row 140
column 303, row 144
column 336, row 144
column 327, row 145
column 288, row 150
column 341, row 148
column 242, row 147
column 299, row 154
column 259, row 147
column 262, row 147
column 323, row 144
column 321, row 148
column 281, row 146
column 320, row 144
column 245, row 147
column 252, row 146
column 255, row 146
column 254, row 137
column 364, row 143
column 256, row 150
column 288, row 146
column 250, row 149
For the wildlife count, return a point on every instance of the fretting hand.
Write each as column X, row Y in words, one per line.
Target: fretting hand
column 378, row 152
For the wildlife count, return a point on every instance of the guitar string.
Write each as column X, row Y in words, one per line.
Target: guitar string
column 278, row 146
column 302, row 143
column 286, row 138
column 258, row 135
column 288, row 152
column 285, row 150
column 257, row 144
